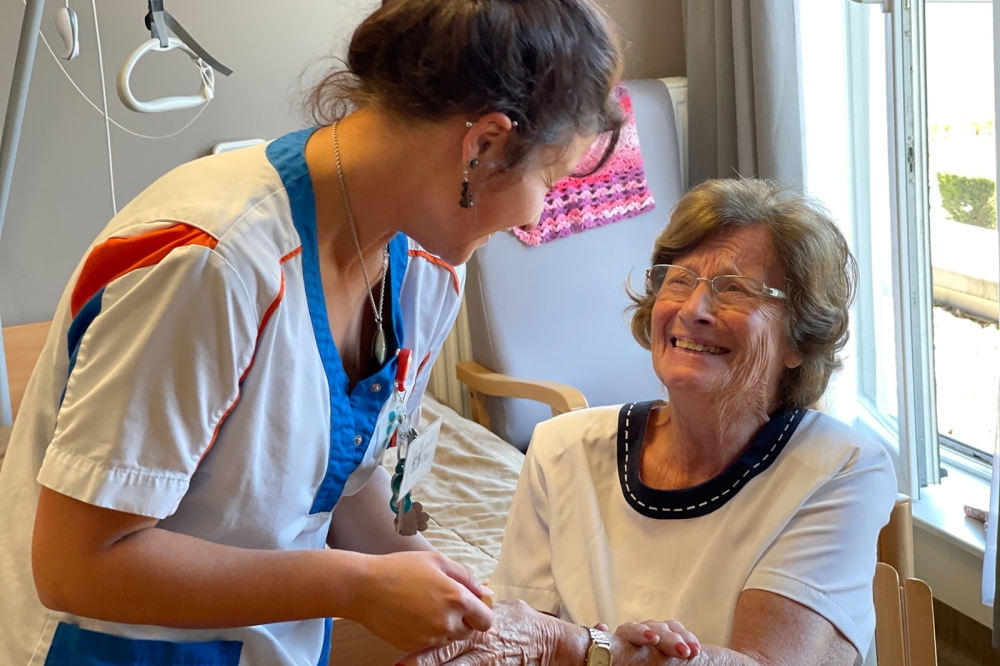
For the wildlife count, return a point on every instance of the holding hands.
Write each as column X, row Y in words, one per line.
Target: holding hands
column 670, row 637
column 521, row 636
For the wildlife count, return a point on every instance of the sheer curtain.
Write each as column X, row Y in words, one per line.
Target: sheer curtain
column 990, row 556
column 990, row 573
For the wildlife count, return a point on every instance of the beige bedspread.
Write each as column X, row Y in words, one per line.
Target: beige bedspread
column 468, row 491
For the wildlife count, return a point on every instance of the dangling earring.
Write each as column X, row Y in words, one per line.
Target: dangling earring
column 466, row 200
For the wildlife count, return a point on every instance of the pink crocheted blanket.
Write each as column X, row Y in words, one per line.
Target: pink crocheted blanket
column 617, row 192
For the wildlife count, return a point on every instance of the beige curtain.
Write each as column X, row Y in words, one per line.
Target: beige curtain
column 744, row 92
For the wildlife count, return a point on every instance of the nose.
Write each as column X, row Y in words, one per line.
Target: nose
column 700, row 306
column 529, row 227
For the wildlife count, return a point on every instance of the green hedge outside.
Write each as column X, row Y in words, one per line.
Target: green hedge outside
column 969, row 200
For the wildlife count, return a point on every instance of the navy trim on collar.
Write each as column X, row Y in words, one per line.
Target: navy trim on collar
column 352, row 413
column 705, row 498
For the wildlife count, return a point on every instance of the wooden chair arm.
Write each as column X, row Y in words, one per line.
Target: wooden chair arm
column 483, row 382
column 895, row 541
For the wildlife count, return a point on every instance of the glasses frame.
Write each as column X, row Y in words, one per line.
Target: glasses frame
column 766, row 290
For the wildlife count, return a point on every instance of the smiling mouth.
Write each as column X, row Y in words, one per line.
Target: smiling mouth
column 681, row 343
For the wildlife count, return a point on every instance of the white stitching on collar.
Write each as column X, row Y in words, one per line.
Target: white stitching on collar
column 715, row 499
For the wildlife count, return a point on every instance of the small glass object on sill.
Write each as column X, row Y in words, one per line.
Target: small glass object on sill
column 976, row 514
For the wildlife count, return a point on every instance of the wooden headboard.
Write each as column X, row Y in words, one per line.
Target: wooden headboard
column 22, row 346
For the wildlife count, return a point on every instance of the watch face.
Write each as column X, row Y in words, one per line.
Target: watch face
column 599, row 656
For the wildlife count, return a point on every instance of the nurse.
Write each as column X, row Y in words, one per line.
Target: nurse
column 202, row 420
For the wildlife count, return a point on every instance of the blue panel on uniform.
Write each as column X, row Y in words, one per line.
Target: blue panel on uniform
column 73, row 646
column 352, row 414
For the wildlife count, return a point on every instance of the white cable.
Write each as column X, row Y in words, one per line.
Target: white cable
column 98, row 109
column 107, row 118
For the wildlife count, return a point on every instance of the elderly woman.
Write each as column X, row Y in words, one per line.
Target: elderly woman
column 731, row 506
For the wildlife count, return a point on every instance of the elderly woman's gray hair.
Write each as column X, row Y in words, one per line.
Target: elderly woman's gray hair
column 821, row 274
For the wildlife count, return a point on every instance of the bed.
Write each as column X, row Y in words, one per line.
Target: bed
column 467, row 493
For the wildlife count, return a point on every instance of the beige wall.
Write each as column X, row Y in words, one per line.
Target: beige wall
column 653, row 36
column 60, row 199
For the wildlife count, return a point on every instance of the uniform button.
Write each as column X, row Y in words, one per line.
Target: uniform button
column 358, row 439
column 375, row 388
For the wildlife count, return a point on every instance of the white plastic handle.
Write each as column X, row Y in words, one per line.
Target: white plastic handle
column 164, row 103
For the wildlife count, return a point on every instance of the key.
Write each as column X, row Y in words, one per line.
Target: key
column 413, row 521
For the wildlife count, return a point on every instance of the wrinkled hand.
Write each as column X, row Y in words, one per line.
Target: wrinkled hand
column 417, row 600
column 670, row 637
column 520, row 636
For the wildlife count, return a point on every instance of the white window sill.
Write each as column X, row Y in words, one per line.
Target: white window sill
column 940, row 510
column 948, row 546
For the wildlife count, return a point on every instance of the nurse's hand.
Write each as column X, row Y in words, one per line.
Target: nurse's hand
column 418, row 600
column 670, row 637
column 520, row 636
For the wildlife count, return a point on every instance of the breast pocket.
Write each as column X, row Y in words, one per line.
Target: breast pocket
column 73, row 646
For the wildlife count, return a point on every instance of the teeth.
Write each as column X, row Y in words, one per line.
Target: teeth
column 687, row 344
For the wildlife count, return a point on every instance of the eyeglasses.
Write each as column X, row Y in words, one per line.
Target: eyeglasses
column 677, row 283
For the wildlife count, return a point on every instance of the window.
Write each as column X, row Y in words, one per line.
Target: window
column 964, row 246
column 924, row 167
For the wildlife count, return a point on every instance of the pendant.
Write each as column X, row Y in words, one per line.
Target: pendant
column 378, row 347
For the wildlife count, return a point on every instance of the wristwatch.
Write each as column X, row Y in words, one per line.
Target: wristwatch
column 599, row 653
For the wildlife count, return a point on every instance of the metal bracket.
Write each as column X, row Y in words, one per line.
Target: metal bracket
column 159, row 20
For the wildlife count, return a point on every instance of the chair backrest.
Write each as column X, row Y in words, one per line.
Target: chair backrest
column 904, row 620
column 904, row 606
column 895, row 541
column 556, row 311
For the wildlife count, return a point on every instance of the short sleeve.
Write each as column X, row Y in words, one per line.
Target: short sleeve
column 445, row 324
column 825, row 557
column 525, row 567
column 156, row 358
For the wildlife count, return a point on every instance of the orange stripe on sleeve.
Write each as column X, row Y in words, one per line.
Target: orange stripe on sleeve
column 260, row 332
column 423, row 363
column 291, row 255
column 442, row 263
column 117, row 256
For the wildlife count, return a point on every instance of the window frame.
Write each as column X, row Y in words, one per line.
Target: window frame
column 912, row 438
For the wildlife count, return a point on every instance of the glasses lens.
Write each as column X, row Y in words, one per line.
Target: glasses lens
column 671, row 281
column 736, row 290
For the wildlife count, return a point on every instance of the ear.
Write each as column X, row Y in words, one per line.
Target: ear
column 486, row 139
column 792, row 359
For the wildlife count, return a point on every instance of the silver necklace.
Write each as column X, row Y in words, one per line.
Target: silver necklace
column 378, row 343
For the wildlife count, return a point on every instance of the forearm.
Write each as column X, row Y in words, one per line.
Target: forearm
column 363, row 522
column 158, row 577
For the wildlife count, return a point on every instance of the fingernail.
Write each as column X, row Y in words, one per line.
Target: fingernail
column 682, row 649
column 648, row 635
column 486, row 591
column 695, row 650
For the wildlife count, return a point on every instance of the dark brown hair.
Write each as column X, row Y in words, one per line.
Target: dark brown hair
column 821, row 275
column 549, row 65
